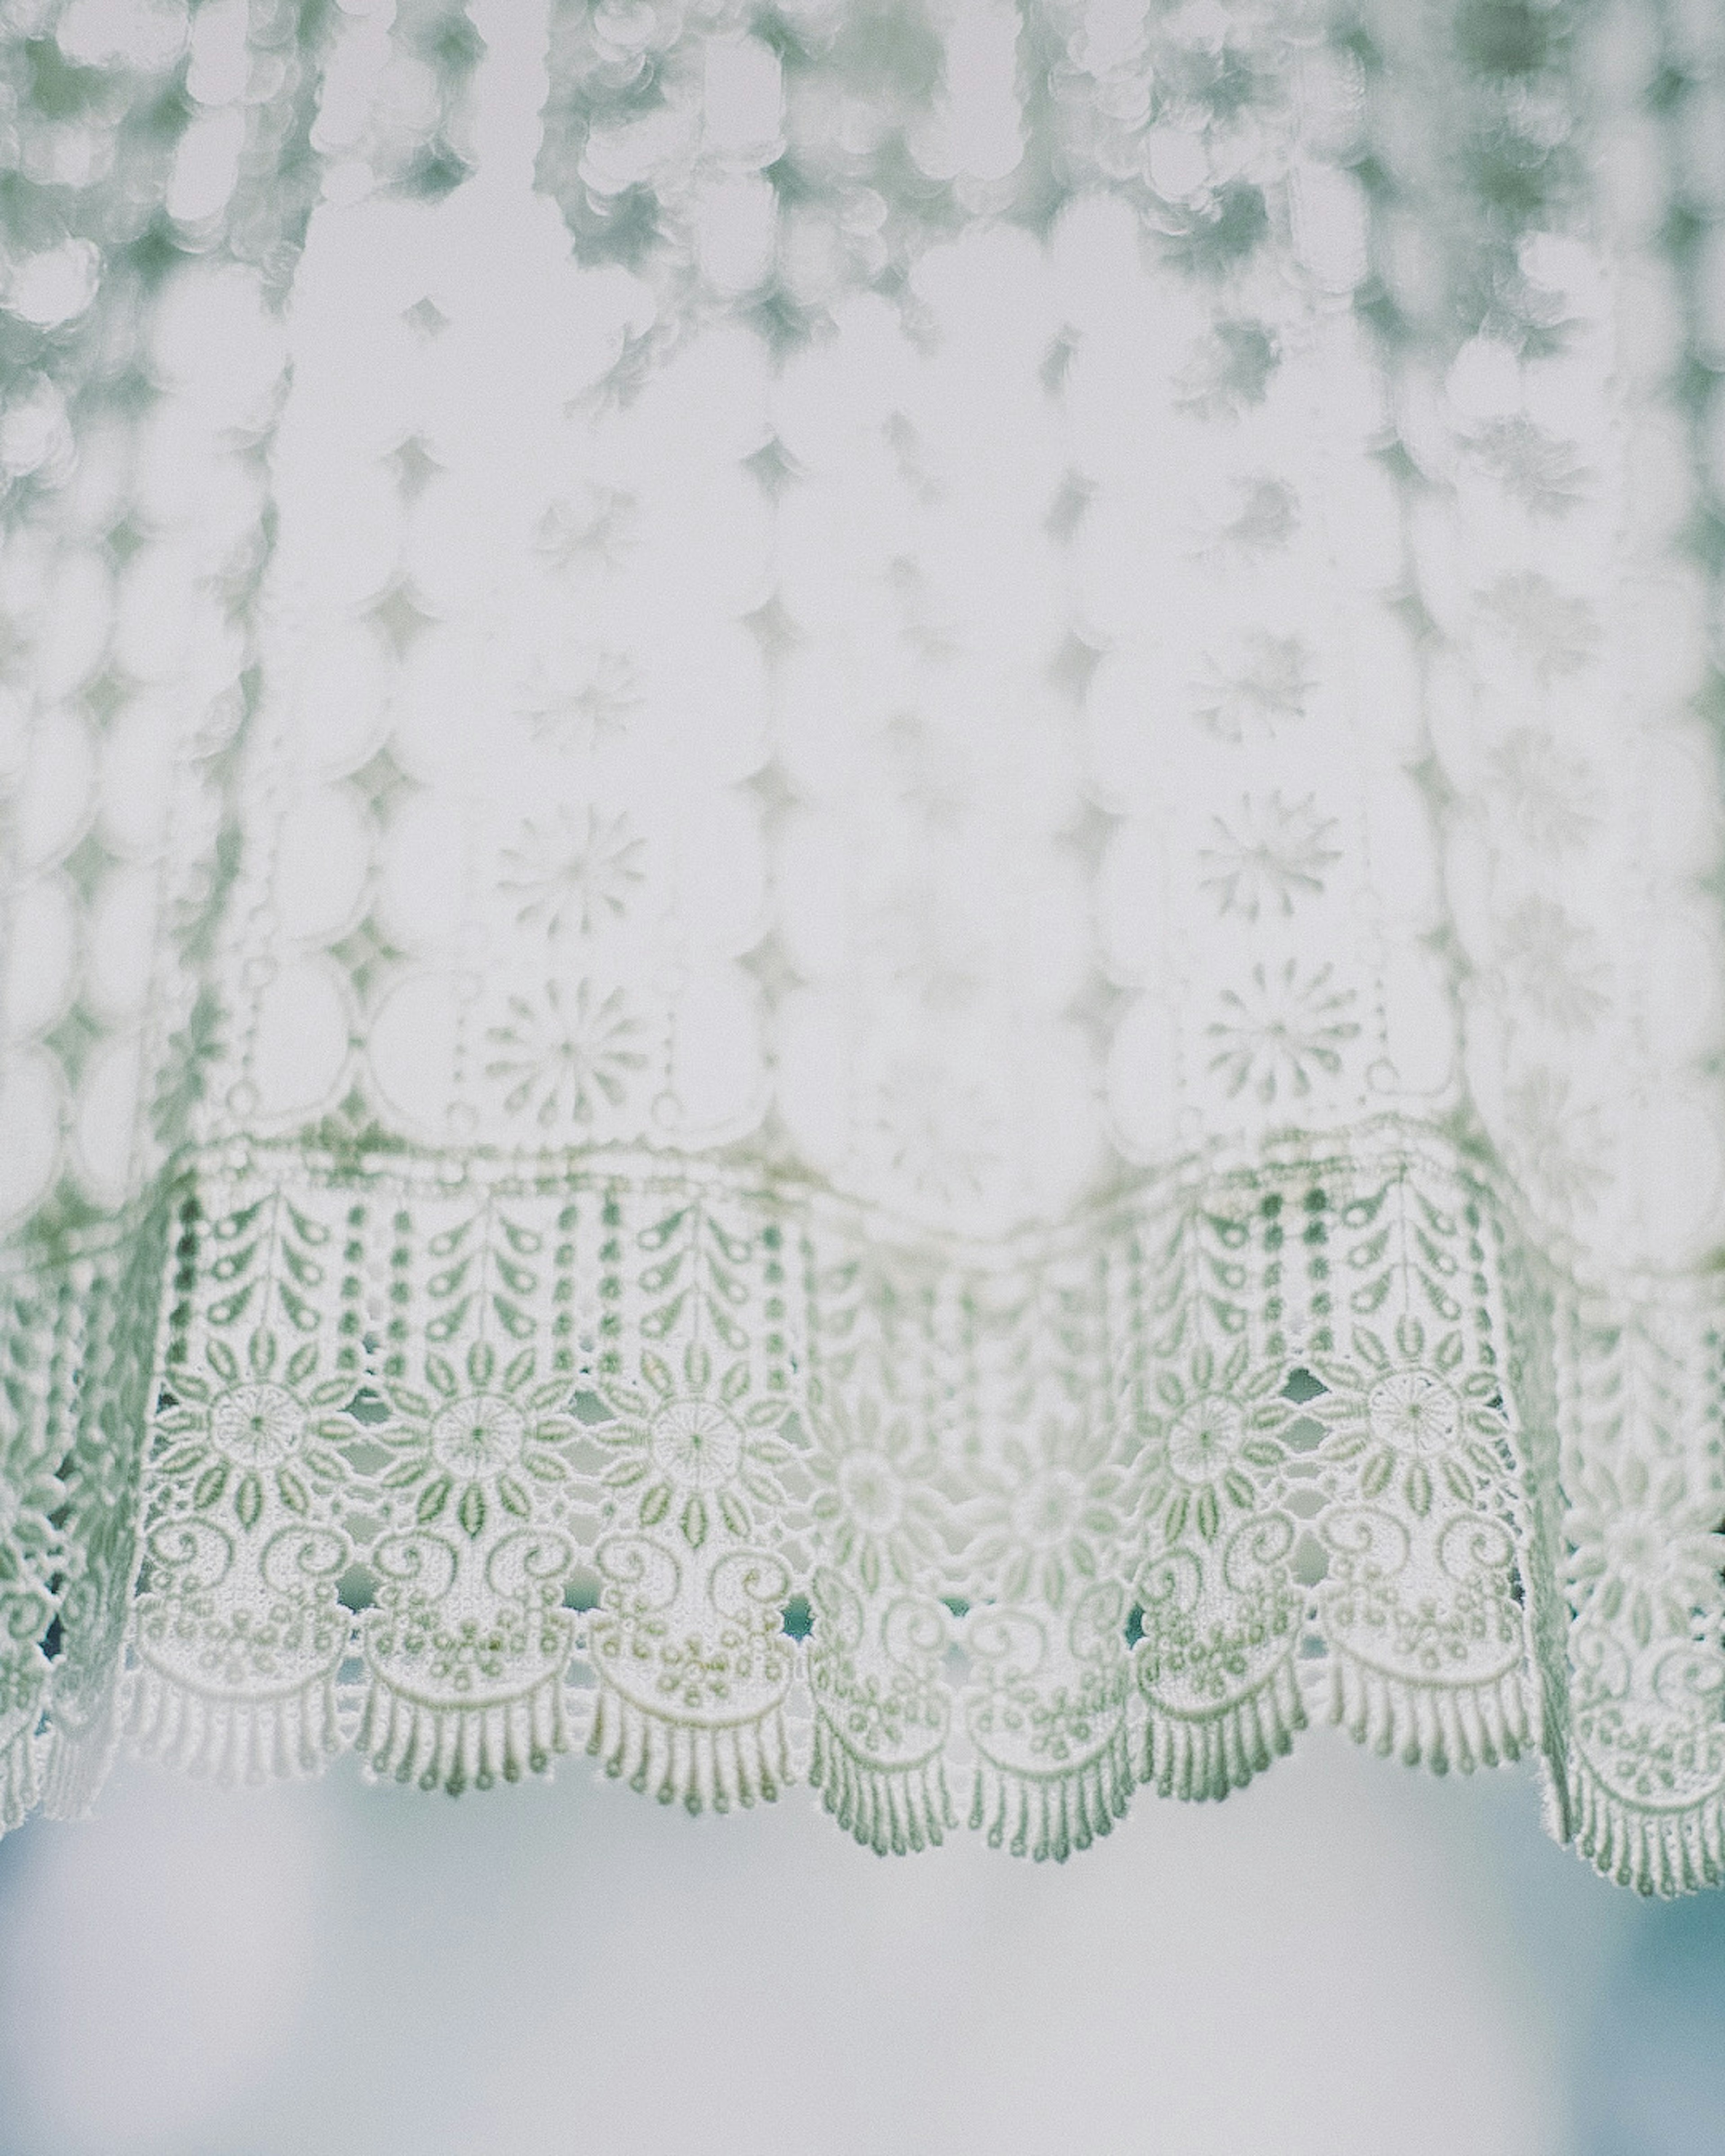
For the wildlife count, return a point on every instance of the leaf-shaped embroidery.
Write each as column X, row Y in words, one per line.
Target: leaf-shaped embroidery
column 248, row 1500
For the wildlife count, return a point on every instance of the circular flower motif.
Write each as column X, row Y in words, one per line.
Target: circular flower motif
column 1047, row 1508
column 258, row 1426
column 876, row 1505
column 1414, row 1411
column 480, row 1435
column 1203, row 1441
column 488, row 1446
column 1418, row 1422
column 266, row 1435
column 871, row 1492
column 698, row 1454
column 1645, row 1554
column 1044, row 1520
column 1216, row 1422
column 696, row 1443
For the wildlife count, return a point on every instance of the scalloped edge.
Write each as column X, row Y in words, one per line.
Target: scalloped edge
column 892, row 1810
column 291, row 1736
column 1438, row 1725
column 1668, row 1852
column 705, row 1766
column 456, row 1747
column 1200, row 1758
column 1050, row 1816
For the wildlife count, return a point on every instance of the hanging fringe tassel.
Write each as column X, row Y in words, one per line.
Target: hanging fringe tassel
column 20, row 1779
column 77, row 1765
column 1202, row 1757
column 706, row 1765
column 1676, row 1852
column 456, row 1747
column 286, row 1737
column 1436, row 1725
column 1044, row 1815
column 888, row 1809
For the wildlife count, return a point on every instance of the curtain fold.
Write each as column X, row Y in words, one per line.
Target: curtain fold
column 858, row 903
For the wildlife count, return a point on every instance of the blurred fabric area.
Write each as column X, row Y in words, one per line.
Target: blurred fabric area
column 1343, row 1959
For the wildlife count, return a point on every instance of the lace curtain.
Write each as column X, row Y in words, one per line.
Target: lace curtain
column 859, row 899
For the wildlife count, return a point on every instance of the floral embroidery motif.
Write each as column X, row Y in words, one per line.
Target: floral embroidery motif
column 1556, row 633
column 1043, row 1520
column 575, row 875
column 1214, row 1424
column 1551, row 797
column 253, row 1437
column 1417, row 1421
column 1279, row 1032
column 1562, row 1148
column 701, row 1454
column 1541, row 470
column 1646, row 1552
column 1273, row 853
column 581, row 698
column 1270, row 680
column 1553, row 965
column 476, row 1452
column 874, row 1501
column 569, row 1057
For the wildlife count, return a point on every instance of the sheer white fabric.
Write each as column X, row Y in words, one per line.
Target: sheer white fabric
column 859, row 909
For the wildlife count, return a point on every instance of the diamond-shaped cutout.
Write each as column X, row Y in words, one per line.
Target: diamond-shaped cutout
column 772, row 466
column 1088, row 835
column 769, row 966
column 1071, row 667
column 1096, row 1010
column 413, row 467
column 380, row 782
column 87, row 864
column 105, row 694
column 365, row 952
column 774, row 790
column 402, row 619
column 72, row 1042
column 425, row 318
column 772, row 628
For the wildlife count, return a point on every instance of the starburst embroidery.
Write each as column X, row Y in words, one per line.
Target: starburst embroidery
column 1646, row 1552
column 566, row 1057
column 1557, row 634
column 1550, row 796
column 1552, row 965
column 1562, row 1148
column 1282, row 1031
column 1270, row 854
column 581, row 698
column 575, row 873
column 1268, row 681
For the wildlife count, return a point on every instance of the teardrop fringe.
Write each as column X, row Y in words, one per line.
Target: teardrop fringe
column 889, row 1810
column 706, row 1767
column 288, row 1737
column 1200, row 1758
column 76, row 1766
column 456, row 1747
column 20, row 1779
column 1656, row 1852
column 1044, row 1815
column 1437, row 1726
